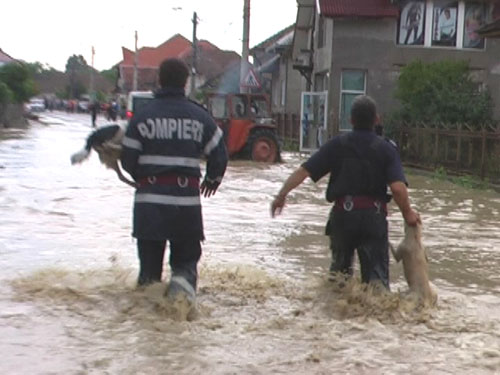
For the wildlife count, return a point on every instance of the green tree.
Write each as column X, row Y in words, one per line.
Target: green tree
column 5, row 93
column 74, row 66
column 110, row 74
column 38, row 68
column 35, row 68
column 18, row 79
column 76, row 90
column 442, row 92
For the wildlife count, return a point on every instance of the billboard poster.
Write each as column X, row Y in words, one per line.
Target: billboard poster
column 475, row 17
column 411, row 23
column 444, row 25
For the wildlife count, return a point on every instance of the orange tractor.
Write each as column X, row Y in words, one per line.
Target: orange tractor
column 249, row 130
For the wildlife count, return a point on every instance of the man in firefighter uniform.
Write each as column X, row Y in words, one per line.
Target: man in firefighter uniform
column 162, row 150
column 361, row 166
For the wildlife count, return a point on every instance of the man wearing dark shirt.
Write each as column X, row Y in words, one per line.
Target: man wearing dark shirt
column 361, row 166
column 163, row 148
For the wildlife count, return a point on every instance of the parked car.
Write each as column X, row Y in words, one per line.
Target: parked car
column 36, row 105
column 83, row 106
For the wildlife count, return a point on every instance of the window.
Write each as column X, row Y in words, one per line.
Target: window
column 239, row 106
column 442, row 23
column 258, row 107
column 217, row 107
column 352, row 85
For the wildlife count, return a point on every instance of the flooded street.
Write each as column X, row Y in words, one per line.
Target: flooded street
column 68, row 303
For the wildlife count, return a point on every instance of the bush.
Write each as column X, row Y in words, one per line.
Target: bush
column 441, row 92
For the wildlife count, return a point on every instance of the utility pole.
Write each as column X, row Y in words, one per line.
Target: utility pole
column 136, row 57
column 244, row 68
column 92, row 98
column 195, row 53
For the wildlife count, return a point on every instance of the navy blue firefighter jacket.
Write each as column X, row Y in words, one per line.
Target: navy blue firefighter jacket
column 171, row 136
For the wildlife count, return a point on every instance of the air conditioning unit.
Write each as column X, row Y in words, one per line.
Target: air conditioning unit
column 302, row 60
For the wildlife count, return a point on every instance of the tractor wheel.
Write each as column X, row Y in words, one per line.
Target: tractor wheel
column 262, row 146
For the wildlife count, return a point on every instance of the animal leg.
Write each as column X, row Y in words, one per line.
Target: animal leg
column 394, row 253
column 398, row 253
column 121, row 177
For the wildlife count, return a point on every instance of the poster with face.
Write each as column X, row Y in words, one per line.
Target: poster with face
column 411, row 23
column 475, row 17
column 444, row 24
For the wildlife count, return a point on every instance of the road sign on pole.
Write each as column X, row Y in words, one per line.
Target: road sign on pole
column 251, row 80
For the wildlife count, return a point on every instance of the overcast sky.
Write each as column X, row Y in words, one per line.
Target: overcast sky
column 50, row 31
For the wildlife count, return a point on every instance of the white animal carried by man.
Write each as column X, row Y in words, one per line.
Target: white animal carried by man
column 413, row 254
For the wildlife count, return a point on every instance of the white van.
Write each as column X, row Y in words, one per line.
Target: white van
column 137, row 100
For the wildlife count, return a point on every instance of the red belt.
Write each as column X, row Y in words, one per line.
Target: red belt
column 170, row 180
column 359, row 202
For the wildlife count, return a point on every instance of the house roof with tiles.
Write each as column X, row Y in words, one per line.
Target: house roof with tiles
column 358, row 8
column 4, row 58
column 181, row 48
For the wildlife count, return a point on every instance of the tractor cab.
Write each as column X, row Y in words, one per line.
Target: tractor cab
column 249, row 130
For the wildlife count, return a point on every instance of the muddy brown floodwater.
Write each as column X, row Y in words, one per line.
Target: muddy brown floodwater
column 68, row 303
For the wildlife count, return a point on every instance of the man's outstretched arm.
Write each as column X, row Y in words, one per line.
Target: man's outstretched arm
column 400, row 195
column 294, row 180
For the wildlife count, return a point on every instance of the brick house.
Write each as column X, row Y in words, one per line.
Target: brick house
column 211, row 61
column 352, row 47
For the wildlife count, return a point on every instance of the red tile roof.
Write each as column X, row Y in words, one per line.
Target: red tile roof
column 211, row 61
column 358, row 8
column 152, row 57
column 4, row 58
column 203, row 45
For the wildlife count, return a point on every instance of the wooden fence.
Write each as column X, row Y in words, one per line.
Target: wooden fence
column 288, row 129
column 459, row 149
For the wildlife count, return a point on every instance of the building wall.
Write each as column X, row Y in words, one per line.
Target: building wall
column 370, row 45
column 289, row 80
column 323, row 56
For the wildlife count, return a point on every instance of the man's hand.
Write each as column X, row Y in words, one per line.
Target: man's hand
column 208, row 187
column 277, row 205
column 294, row 180
column 400, row 195
column 412, row 217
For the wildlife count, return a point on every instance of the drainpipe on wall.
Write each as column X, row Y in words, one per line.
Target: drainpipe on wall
column 286, row 85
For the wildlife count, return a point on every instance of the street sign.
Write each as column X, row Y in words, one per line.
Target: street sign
column 251, row 80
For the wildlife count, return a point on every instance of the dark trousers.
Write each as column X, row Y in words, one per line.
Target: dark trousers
column 184, row 257
column 363, row 230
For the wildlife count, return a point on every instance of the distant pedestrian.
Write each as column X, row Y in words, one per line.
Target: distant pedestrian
column 94, row 108
column 112, row 111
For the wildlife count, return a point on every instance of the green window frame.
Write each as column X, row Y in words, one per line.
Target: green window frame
column 352, row 84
